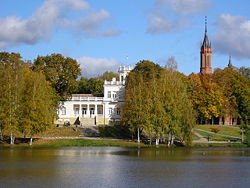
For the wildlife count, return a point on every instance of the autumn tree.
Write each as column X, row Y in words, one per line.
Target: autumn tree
column 11, row 85
column 246, row 72
column 26, row 98
column 236, row 89
column 38, row 105
column 60, row 71
column 157, row 103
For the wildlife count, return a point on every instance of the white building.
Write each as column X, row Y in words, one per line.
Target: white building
column 87, row 110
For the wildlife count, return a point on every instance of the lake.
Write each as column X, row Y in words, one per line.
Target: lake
column 124, row 167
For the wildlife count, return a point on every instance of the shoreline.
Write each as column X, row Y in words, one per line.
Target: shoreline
column 110, row 142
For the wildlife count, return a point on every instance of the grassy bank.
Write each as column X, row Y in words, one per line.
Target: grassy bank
column 85, row 143
column 60, row 132
column 106, row 143
column 204, row 145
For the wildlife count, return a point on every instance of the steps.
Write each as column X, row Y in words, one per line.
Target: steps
column 89, row 131
column 86, row 122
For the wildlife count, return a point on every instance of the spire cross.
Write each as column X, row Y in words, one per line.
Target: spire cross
column 205, row 23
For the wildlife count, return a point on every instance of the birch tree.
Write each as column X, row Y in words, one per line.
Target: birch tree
column 11, row 80
column 38, row 107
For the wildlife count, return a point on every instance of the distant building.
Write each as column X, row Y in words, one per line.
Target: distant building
column 88, row 110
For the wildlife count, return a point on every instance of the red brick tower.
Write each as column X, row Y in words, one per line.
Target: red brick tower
column 206, row 54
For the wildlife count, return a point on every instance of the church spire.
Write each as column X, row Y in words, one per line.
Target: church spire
column 206, row 43
column 229, row 62
column 205, row 25
column 205, row 54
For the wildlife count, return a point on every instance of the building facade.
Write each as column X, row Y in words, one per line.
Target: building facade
column 89, row 110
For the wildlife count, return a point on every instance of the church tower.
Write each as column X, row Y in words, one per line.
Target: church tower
column 206, row 54
column 230, row 65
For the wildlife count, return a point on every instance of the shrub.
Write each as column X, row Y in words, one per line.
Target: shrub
column 215, row 130
column 247, row 136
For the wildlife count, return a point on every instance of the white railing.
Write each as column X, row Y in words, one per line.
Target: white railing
column 114, row 82
column 87, row 99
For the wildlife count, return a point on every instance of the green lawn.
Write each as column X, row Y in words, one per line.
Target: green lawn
column 213, row 137
column 85, row 142
column 223, row 129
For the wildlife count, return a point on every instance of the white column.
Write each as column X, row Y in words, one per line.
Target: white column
column 88, row 113
column 95, row 109
column 80, row 111
column 103, row 110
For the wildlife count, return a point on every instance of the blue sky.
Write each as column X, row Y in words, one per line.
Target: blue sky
column 104, row 34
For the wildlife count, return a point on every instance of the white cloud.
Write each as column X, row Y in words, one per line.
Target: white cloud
column 51, row 14
column 91, row 24
column 232, row 36
column 92, row 67
column 174, row 15
column 160, row 24
column 187, row 7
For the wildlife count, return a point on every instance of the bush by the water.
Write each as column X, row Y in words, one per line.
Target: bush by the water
column 116, row 131
column 247, row 136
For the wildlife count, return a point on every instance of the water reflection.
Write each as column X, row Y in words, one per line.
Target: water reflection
column 124, row 167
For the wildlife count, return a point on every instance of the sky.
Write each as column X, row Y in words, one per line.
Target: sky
column 105, row 34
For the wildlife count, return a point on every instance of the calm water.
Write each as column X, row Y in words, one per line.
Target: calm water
column 124, row 167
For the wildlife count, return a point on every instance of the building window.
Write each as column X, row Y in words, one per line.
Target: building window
column 110, row 111
column 109, row 94
column 92, row 111
column 99, row 110
column 76, row 111
column 118, row 111
column 114, row 95
column 84, row 111
column 63, row 110
column 122, row 78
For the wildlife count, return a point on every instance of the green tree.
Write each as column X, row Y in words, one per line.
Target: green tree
column 61, row 72
column 208, row 99
column 157, row 104
column 247, row 135
column 90, row 86
column 95, row 86
column 132, row 113
column 83, row 86
column 246, row 72
column 11, row 85
column 236, row 89
column 38, row 105
column 27, row 101
column 108, row 76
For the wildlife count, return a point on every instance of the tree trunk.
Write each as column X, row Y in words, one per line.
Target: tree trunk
column 31, row 141
column 157, row 141
column 12, row 138
column 150, row 138
column 169, row 139
column 172, row 139
column 138, row 135
column 212, row 121
column 1, row 134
